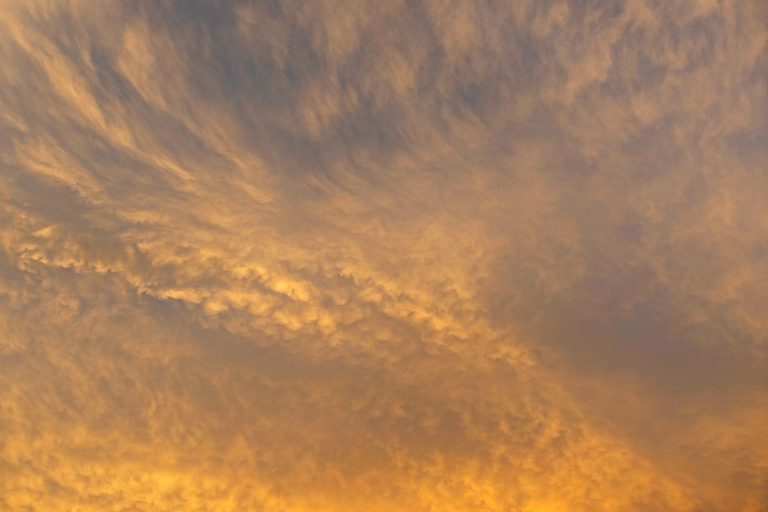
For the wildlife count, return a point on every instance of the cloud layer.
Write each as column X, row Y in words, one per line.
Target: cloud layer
column 413, row 255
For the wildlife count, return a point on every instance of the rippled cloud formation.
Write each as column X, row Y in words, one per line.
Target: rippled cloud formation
column 417, row 255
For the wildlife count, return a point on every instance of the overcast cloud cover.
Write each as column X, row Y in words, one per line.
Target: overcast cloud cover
column 352, row 255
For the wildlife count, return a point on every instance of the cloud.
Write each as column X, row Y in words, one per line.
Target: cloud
column 406, row 255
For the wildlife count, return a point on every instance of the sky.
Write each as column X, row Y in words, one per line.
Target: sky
column 396, row 255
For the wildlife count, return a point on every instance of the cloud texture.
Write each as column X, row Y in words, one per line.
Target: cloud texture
column 404, row 255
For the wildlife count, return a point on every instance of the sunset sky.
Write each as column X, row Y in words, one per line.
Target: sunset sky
column 384, row 255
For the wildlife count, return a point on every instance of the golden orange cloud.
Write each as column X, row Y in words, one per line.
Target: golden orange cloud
column 418, row 256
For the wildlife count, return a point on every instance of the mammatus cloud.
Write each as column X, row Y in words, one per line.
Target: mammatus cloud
column 383, row 256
